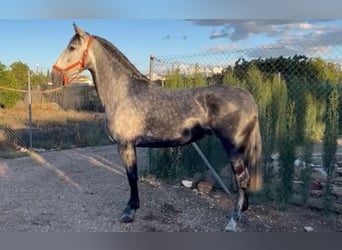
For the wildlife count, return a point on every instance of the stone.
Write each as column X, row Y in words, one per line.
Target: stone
column 275, row 166
column 299, row 163
column 275, row 156
column 308, row 229
column 187, row 183
column 205, row 187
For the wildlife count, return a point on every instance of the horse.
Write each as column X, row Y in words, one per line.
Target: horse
column 139, row 113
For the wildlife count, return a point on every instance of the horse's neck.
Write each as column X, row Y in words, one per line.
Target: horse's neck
column 111, row 79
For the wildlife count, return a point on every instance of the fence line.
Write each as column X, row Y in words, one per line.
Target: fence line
column 294, row 87
column 33, row 90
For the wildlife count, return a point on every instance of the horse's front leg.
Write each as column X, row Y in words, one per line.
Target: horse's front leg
column 128, row 156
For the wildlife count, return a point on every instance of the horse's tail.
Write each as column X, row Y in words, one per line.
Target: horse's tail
column 253, row 156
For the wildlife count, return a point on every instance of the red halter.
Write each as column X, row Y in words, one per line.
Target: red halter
column 79, row 63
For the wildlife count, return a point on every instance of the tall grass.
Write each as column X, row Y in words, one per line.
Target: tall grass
column 53, row 129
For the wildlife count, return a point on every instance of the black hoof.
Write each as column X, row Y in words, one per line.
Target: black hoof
column 127, row 215
column 126, row 218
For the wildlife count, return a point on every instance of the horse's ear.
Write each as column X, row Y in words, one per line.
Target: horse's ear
column 78, row 30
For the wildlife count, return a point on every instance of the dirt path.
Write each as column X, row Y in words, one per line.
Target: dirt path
column 85, row 190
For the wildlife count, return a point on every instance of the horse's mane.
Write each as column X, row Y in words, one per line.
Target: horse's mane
column 121, row 57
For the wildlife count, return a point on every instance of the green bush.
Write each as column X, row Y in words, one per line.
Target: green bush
column 287, row 156
column 8, row 98
column 330, row 145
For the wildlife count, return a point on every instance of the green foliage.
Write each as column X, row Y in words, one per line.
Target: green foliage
column 38, row 79
column 278, row 109
column 287, row 156
column 175, row 79
column 291, row 97
column 8, row 98
column 20, row 72
column 330, row 144
column 310, row 120
column 229, row 77
column 198, row 78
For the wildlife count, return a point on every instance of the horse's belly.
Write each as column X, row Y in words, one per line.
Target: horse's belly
column 184, row 136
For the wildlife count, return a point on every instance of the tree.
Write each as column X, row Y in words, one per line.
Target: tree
column 7, row 98
column 330, row 144
column 199, row 79
column 174, row 79
column 287, row 156
column 38, row 79
column 19, row 70
column 229, row 78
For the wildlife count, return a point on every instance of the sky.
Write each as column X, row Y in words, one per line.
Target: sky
column 39, row 42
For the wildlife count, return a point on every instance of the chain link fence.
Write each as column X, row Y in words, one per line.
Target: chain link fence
column 52, row 118
column 298, row 89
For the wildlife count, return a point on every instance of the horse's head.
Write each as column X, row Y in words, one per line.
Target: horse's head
column 74, row 59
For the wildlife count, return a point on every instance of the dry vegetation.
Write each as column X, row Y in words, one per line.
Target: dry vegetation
column 18, row 118
column 51, row 129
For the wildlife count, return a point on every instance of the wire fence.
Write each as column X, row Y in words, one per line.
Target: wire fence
column 52, row 117
column 298, row 92
column 298, row 89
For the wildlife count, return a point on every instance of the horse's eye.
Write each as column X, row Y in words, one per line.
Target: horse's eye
column 72, row 48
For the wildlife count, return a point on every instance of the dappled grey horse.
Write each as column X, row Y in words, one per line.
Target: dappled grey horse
column 141, row 114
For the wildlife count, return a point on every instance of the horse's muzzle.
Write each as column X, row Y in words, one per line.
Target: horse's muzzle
column 57, row 78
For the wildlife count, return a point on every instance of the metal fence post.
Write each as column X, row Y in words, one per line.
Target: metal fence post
column 151, row 67
column 29, row 106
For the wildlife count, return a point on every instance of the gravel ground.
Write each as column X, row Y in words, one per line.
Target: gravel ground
column 82, row 190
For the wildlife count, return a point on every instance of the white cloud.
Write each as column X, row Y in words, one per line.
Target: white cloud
column 223, row 47
column 305, row 26
column 284, row 30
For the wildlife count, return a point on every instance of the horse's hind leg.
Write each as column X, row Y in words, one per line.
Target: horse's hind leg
column 242, row 179
column 128, row 156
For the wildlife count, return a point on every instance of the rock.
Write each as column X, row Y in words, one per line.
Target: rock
column 308, row 229
column 187, row 183
column 299, row 163
column 275, row 166
column 205, row 187
column 275, row 156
